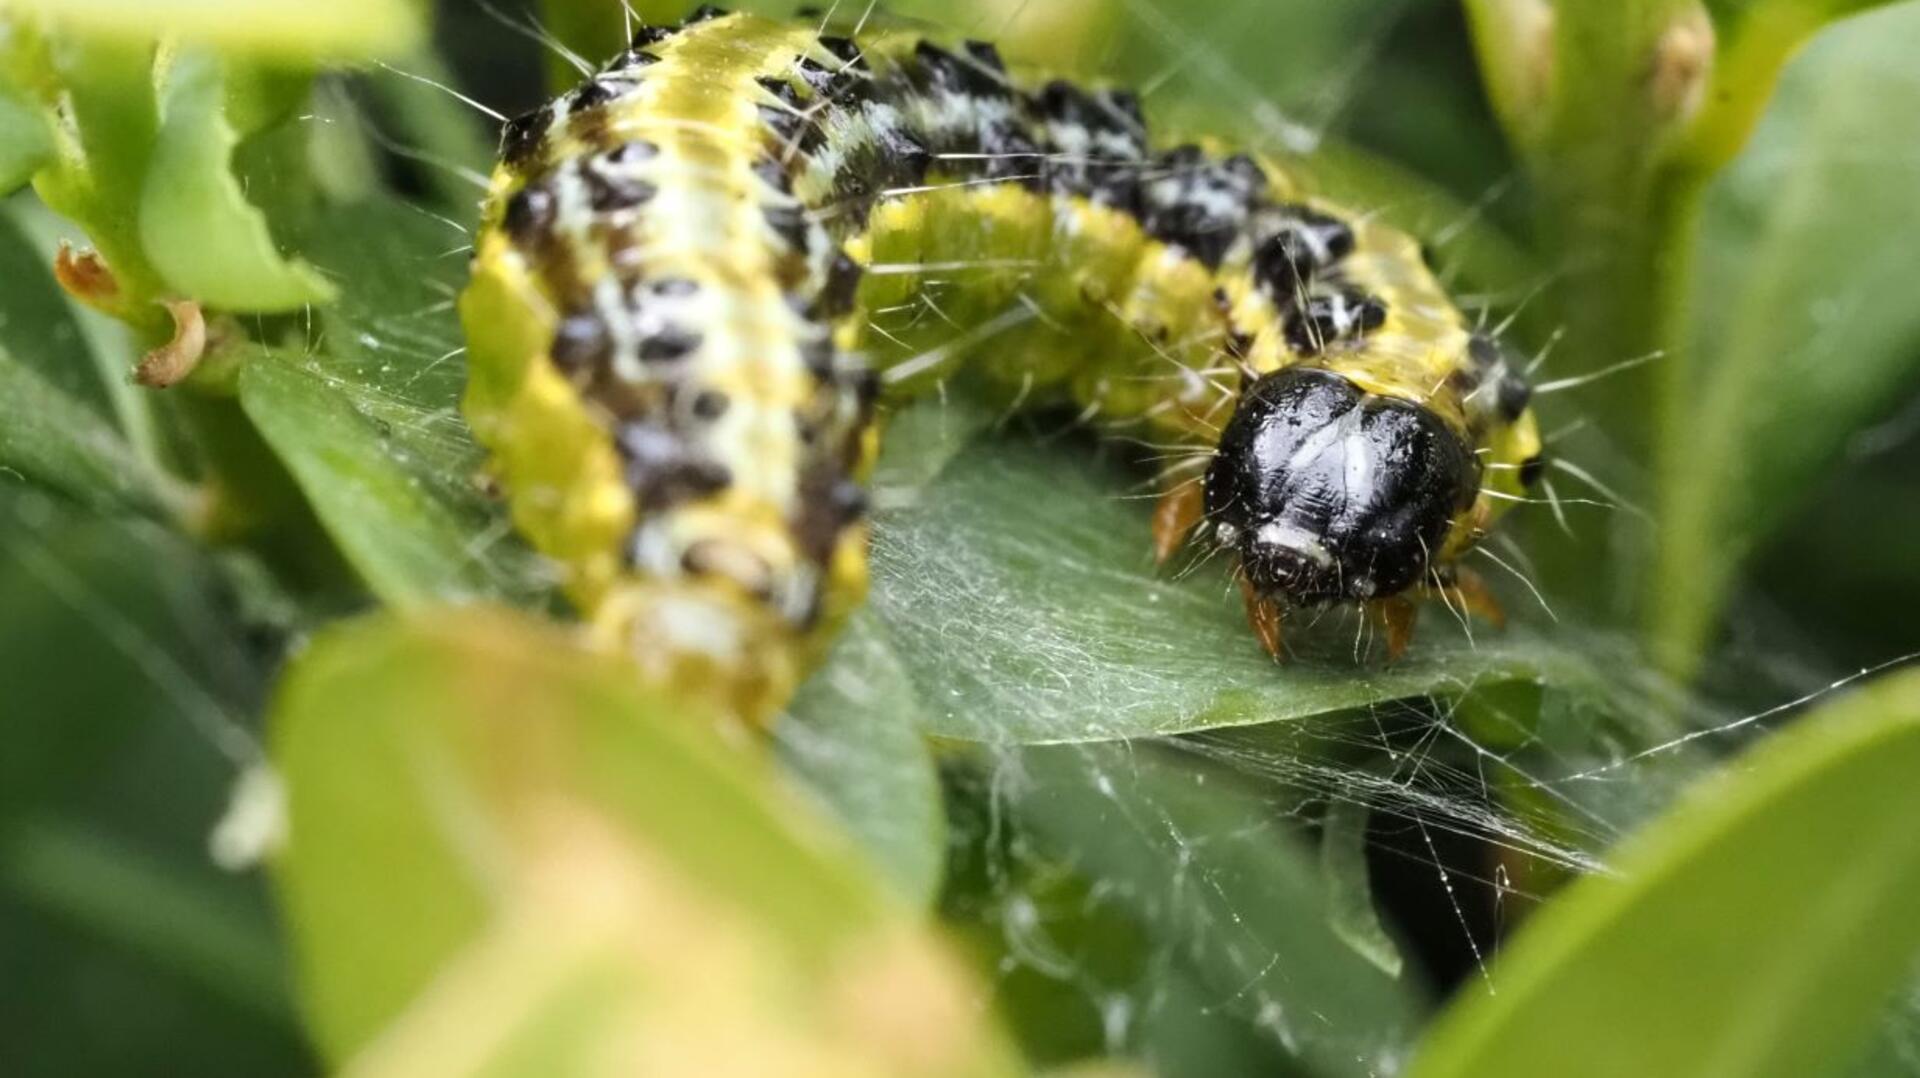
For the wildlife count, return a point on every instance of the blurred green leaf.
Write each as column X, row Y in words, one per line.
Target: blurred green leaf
column 199, row 230
column 1803, row 327
column 446, row 139
column 1754, row 930
column 112, row 623
column 148, row 907
column 475, row 779
column 852, row 735
column 307, row 31
column 53, row 439
column 1019, row 590
column 415, row 530
column 1758, row 38
column 110, row 105
column 26, row 142
column 38, row 324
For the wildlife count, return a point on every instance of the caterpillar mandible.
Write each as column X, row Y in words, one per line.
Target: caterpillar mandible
column 698, row 269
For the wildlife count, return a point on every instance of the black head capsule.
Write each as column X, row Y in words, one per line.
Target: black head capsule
column 1328, row 492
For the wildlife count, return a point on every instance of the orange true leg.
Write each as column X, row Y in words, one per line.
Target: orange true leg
column 1263, row 614
column 1470, row 590
column 1479, row 599
column 1175, row 516
column 1396, row 615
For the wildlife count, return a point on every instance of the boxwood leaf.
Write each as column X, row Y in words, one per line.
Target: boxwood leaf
column 852, row 735
column 1019, row 590
column 416, row 529
column 196, row 225
column 1802, row 328
column 511, row 833
column 26, row 142
column 336, row 29
column 1754, row 930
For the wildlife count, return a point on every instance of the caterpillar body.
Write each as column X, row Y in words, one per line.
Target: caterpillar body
column 698, row 270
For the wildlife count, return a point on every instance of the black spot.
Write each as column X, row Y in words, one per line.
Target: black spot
column 844, row 50
column 710, row 557
column 524, row 137
column 1108, row 172
column 837, row 292
column 908, row 157
column 704, row 13
column 610, row 190
column 985, row 54
column 1200, row 204
column 668, row 344
column 673, row 287
column 1310, row 522
column 779, row 88
column 1330, row 319
column 663, row 469
column 1010, row 154
column 650, row 35
column 709, row 404
column 822, row 80
column 1531, row 469
column 632, row 153
column 1515, row 395
column 1127, row 104
column 598, row 91
column 529, row 214
column 633, row 58
column 773, row 173
column 894, row 157
column 940, row 71
column 818, row 356
column 1306, row 244
column 788, row 221
column 686, row 480
column 581, row 341
column 1512, row 393
column 787, row 126
column 829, row 503
column 864, row 382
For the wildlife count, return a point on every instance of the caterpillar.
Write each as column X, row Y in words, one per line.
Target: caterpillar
column 702, row 273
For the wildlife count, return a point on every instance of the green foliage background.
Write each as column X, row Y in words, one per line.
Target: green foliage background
column 1036, row 772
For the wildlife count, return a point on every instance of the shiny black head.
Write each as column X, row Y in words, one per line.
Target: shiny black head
column 1331, row 493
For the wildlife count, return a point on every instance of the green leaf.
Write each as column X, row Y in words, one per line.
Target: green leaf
column 337, row 29
column 1019, row 590
column 26, row 142
column 401, row 500
column 1343, row 869
column 149, row 907
column 507, row 828
column 392, row 339
column 48, row 332
column 852, row 735
column 53, row 439
column 1760, row 36
column 1204, row 861
column 1802, row 327
column 207, row 241
column 1755, row 930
